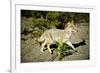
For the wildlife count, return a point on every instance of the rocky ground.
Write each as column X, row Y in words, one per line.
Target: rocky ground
column 30, row 50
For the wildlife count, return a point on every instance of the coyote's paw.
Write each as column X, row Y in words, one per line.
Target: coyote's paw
column 42, row 51
column 50, row 52
column 75, row 51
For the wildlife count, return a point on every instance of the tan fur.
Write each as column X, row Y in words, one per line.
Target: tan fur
column 51, row 36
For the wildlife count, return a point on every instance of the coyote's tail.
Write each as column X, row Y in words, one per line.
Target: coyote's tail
column 42, row 38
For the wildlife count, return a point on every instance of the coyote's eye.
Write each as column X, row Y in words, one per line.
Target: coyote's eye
column 74, row 29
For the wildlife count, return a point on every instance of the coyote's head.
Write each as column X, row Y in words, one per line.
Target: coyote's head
column 71, row 27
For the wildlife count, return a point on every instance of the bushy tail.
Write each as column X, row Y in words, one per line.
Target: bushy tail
column 42, row 38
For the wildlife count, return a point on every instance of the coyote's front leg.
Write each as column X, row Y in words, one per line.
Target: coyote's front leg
column 70, row 44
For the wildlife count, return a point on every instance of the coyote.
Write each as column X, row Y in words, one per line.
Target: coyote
column 51, row 36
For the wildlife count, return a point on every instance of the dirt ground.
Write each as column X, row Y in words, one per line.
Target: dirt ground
column 30, row 52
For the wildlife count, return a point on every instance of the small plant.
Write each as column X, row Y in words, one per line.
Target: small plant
column 61, row 50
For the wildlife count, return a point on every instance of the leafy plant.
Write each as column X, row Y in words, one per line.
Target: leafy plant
column 61, row 49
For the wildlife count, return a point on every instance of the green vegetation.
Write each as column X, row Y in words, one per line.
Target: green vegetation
column 62, row 50
column 42, row 20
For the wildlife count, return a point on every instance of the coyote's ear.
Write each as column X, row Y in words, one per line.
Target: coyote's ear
column 67, row 24
column 72, row 22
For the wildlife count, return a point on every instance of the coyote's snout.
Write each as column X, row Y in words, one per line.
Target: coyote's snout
column 51, row 36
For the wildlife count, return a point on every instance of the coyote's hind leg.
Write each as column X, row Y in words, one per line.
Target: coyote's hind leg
column 43, row 46
column 48, row 46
